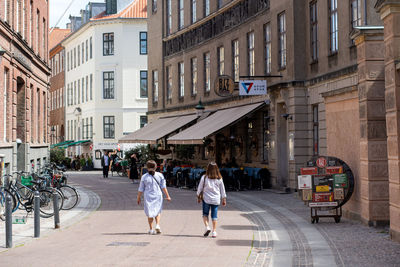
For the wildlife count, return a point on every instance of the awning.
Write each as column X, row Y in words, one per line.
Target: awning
column 158, row 129
column 62, row 143
column 76, row 143
column 212, row 124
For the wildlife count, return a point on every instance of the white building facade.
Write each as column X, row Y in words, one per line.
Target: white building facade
column 106, row 84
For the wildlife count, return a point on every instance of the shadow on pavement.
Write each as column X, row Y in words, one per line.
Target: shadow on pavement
column 234, row 242
column 239, row 227
column 125, row 234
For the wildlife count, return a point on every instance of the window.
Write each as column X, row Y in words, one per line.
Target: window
column 143, row 121
column 250, row 48
column 74, row 92
column 6, row 10
column 74, row 57
column 181, row 75
column 169, row 17
column 30, row 22
column 220, row 3
column 169, row 82
column 79, row 55
column 44, row 42
column 108, row 85
column 315, row 130
column 194, row 75
column 17, row 15
column 87, row 50
column 90, row 47
column 143, row 43
column 108, row 44
column 37, row 30
column 206, row 7
column 235, row 60
column 83, row 53
column 87, row 88
column 181, row 17
column 282, row 40
column 207, row 74
column 266, row 137
column 155, row 85
column 91, row 86
column 267, row 48
column 108, row 127
column 143, row 83
column 91, row 128
column 314, row 31
column 333, row 27
column 194, row 11
column 6, row 85
column 83, row 89
column 221, row 59
column 154, row 6
column 79, row 91
column 356, row 13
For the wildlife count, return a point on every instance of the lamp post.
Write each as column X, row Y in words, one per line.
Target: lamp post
column 200, row 109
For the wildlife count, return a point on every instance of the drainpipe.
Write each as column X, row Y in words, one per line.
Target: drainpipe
column 365, row 13
column 163, row 54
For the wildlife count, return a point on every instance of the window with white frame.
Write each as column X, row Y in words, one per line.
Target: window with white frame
column 169, row 17
column 235, row 60
column 282, row 40
column 91, row 86
column 181, row 74
column 108, row 44
column 155, row 85
column 87, row 50
column 221, row 60
column 91, row 48
column 207, row 73
column 194, row 75
column 143, row 121
column 169, row 82
column 181, row 14
column 143, row 43
column 251, row 59
column 109, row 127
column 356, row 13
column 333, row 27
column 206, row 6
column 194, row 11
column 267, row 48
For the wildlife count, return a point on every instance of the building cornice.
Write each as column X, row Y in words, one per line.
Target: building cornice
column 386, row 7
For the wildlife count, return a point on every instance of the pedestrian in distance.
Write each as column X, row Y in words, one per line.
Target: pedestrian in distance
column 151, row 186
column 133, row 168
column 105, row 163
column 210, row 191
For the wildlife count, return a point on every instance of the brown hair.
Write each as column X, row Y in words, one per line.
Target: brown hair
column 151, row 166
column 213, row 171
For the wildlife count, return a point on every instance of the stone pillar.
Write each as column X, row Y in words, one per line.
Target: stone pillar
column 390, row 14
column 373, row 144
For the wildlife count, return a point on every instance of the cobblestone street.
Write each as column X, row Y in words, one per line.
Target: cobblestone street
column 257, row 228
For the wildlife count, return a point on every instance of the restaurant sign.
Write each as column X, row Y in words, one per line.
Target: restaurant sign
column 252, row 87
column 224, row 86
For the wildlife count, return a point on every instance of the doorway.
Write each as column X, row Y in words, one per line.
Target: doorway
column 282, row 146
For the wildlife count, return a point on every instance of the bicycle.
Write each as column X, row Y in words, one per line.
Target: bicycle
column 69, row 193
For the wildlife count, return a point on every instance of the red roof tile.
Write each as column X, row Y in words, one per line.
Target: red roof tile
column 137, row 9
column 56, row 36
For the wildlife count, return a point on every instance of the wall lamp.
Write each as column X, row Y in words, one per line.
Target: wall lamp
column 287, row 116
column 269, row 119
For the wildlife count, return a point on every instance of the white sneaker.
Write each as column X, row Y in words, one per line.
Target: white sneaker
column 214, row 234
column 152, row 232
column 207, row 231
column 158, row 229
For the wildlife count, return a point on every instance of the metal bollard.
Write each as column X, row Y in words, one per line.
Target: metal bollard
column 36, row 202
column 8, row 221
column 56, row 211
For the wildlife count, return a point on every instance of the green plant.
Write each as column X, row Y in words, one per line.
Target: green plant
column 184, row 152
column 82, row 161
column 57, row 155
column 144, row 152
column 90, row 162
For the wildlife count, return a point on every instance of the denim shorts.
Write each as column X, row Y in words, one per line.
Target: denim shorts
column 214, row 210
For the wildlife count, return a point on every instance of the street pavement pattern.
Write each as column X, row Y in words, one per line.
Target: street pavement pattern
column 257, row 228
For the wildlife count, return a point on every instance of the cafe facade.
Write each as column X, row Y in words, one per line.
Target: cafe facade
column 324, row 67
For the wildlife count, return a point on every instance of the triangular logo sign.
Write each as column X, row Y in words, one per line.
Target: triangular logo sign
column 247, row 86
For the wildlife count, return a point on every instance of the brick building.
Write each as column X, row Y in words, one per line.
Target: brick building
column 24, row 83
column 57, row 82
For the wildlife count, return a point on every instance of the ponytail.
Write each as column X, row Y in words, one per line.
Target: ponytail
column 152, row 172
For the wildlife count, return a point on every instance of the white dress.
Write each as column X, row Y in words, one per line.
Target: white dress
column 152, row 195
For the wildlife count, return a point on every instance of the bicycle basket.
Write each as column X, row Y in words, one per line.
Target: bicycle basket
column 26, row 180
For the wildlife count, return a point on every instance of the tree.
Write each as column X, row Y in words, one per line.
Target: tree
column 144, row 152
column 57, row 155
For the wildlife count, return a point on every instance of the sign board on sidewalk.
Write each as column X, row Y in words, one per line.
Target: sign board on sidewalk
column 252, row 87
column 322, row 204
column 304, row 182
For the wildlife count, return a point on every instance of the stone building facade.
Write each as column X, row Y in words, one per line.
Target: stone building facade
column 57, row 85
column 24, row 83
column 332, row 69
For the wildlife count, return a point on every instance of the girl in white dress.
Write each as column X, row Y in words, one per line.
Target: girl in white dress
column 150, row 186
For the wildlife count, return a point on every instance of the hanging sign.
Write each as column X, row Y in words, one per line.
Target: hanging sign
column 224, row 86
column 252, row 87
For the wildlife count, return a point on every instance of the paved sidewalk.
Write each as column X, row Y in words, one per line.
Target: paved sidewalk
column 23, row 233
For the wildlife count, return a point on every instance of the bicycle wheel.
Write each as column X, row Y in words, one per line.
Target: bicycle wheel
column 70, row 195
column 3, row 203
column 46, row 203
